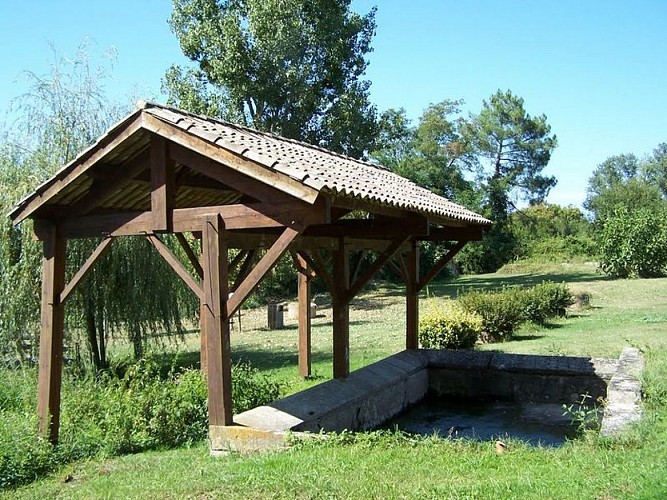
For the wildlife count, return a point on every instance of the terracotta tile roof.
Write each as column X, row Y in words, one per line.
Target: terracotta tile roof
column 316, row 167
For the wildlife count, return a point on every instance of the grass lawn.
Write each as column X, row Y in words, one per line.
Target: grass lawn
column 386, row 465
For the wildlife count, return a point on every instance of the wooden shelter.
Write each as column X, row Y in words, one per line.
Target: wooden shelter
column 161, row 170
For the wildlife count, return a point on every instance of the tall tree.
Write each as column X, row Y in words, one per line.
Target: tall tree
column 291, row 67
column 515, row 147
column 622, row 181
column 436, row 154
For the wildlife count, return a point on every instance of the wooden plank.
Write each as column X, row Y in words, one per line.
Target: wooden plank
column 379, row 262
column 261, row 173
column 244, row 270
column 176, row 265
column 320, row 267
column 216, row 326
column 412, row 297
column 341, row 312
column 85, row 269
column 384, row 228
column 263, row 266
column 237, row 216
column 51, row 336
column 77, row 167
column 440, row 265
column 162, row 185
column 305, row 269
column 190, row 253
column 303, row 286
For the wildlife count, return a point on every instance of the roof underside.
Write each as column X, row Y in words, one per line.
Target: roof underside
column 285, row 162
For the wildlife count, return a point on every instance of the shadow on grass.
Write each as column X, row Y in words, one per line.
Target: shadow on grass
column 453, row 288
column 262, row 359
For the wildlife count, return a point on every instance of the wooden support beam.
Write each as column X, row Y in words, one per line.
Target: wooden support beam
column 238, row 258
column 469, row 233
column 216, row 326
column 379, row 262
column 304, row 318
column 440, row 265
column 191, row 255
column 305, row 270
column 244, row 270
column 162, row 185
column 237, row 216
column 51, row 336
column 384, row 228
column 263, row 266
column 85, row 269
column 320, row 267
column 176, row 265
column 412, row 297
column 341, row 312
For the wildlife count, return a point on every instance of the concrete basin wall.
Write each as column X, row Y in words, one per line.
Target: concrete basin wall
column 517, row 377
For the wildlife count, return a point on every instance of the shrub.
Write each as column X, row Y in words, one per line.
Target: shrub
column 546, row 301
column 501, row 312
column 23, row 455
column 449, row 328
column 107, row 415
column 634, row 243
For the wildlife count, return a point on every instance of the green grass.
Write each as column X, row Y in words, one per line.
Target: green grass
column 381, row 465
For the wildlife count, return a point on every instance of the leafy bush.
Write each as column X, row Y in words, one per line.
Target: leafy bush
column 546, row 301
column 109, row 416
column 449, row 328
column 23, row 455
column 634, row 243
column 501, row 312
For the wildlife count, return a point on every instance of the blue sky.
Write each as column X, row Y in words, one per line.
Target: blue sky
column 597, row 69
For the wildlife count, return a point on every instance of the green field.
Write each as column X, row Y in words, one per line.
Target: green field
column 388, row 465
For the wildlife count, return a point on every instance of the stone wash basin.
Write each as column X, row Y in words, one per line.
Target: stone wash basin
column 373, row 395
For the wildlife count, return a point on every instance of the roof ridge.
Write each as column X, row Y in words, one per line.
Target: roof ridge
column 144, row 104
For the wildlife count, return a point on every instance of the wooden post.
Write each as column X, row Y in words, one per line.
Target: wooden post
column 341, row 312
column 203, row 363
column 216, row 326
column 412, row 297
column 51, row 335
column 304, row 319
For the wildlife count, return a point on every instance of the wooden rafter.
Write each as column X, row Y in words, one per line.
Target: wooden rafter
column 440, row 264
column 244, row 269
column 190, row 253
column 83, row 163
column 85, row 269
column 237, row 216
column 176, row 265
column 263, row 266
column 379, row 262
column 232, row 161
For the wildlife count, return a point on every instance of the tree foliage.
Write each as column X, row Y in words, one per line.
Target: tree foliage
column 633, row 243
column 625, row 181
column 130, row 291
column 290, row 67
column 515, row 148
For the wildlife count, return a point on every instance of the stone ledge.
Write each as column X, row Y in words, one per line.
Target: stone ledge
column 624, row 393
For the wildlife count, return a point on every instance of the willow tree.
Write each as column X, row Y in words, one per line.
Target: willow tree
column 290, row 67
column 64, row 112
